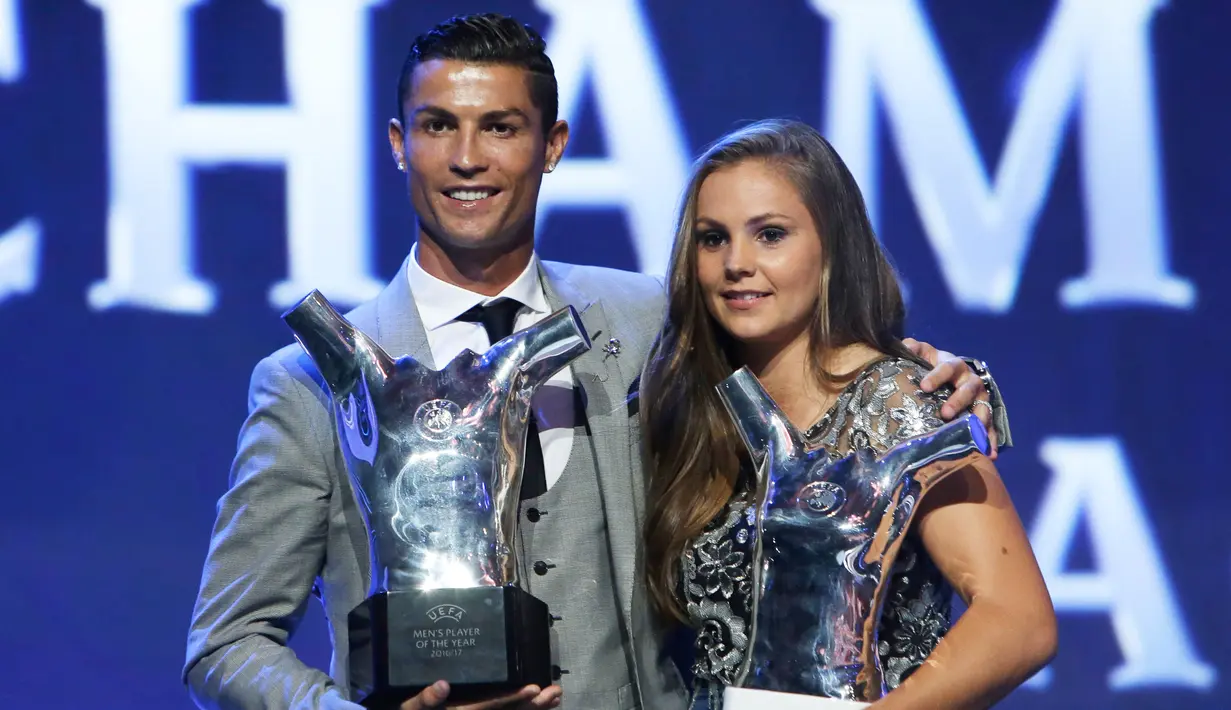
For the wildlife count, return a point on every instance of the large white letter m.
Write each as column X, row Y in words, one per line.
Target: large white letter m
column 1095, row 53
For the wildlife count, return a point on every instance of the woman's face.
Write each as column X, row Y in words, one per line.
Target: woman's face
column 758, row 254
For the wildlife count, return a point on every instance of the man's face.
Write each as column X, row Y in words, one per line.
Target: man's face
column 474, row 153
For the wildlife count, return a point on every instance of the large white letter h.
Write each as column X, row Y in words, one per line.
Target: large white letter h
column 154, row 135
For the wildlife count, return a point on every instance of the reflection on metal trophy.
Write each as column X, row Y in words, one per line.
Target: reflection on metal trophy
column 827, row 534
column 435, row 457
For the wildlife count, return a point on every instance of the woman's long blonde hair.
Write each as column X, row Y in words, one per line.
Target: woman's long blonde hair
column 694, row 455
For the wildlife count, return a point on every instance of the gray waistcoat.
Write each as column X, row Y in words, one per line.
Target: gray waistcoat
column 566, row 562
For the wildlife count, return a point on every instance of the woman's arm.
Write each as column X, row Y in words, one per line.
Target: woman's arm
column 971, row 530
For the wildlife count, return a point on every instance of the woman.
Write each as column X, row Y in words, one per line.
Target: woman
column 775, row 267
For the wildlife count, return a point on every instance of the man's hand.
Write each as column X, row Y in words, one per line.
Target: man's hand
column 968, row 389
column 528, row 698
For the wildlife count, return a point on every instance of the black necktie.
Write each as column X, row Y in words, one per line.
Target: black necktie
column 497, row 319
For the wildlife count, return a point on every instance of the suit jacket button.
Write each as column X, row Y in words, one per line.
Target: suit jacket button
column 541, row 567
column 534, row 514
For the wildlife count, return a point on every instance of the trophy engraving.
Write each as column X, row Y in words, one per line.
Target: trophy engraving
column 827, row 535
column 435, row 459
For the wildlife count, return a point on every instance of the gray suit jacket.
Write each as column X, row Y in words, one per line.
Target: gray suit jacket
column 289, row 524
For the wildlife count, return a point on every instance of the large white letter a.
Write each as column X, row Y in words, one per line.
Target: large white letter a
column 1091, row 480
column 609, row 42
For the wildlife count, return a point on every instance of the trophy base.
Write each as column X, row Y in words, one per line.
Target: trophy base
column 750, row 699
column 484, row 641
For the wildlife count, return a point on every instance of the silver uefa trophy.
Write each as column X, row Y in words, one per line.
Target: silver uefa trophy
column 435, row 458
column 827, row 535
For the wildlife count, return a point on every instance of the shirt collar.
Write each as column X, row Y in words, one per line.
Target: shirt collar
column 440, row 302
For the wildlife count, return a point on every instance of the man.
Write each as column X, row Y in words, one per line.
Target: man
column 476, row 131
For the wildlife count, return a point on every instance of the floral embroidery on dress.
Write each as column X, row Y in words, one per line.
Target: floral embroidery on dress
column 883, row 406
column 717, row 584
column 916, row 616
column 720, row 567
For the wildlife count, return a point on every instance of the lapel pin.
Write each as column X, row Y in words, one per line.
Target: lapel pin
column 612, row 347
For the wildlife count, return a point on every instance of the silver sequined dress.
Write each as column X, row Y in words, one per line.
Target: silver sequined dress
column 881, row 407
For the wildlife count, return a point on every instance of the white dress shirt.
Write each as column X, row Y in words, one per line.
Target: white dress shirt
column 440, row 303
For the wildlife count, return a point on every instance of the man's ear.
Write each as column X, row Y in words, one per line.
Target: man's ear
column 557, row 141
column 397, row 143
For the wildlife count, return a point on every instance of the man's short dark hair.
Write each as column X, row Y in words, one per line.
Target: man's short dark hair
column 486, row 38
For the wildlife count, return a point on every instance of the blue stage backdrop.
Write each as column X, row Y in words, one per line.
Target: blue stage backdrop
column 1050, row 176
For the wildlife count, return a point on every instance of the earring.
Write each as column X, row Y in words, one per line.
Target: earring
column 551, row 166
column 401, row 164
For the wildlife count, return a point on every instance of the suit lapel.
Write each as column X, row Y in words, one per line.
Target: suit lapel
column 603, row 384
column 399, row 329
